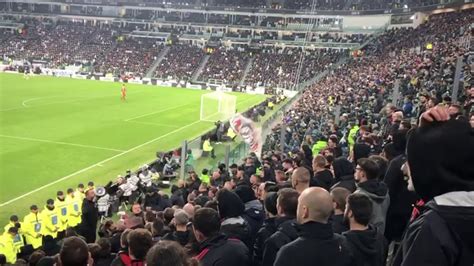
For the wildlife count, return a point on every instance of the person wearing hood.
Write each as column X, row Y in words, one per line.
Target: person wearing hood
column 287, row 203
column 254, row 213
column 343, row 174
column 367, row 245
column 216, row 248
column 231, row 210
column 401, row 200
column 367, row 183
column 441, row 171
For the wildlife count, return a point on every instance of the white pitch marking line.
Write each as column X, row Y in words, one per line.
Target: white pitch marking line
column 156, row 112
column 34, row 99
column 97, row 164
column 151, row 123
column 77, row 99
column 61, row 143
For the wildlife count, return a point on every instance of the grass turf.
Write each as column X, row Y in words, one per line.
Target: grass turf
column 58, row 132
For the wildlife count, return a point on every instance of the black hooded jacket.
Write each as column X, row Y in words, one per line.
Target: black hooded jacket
column 401, row 200
column 367, row 247
column 222, row 251
column 338, row 224
column 231, row 209
column 442, row 235
column 343, row 174
column 316, row 245
column 268, row 228
column 183, row 238
column 322, row 179
column 286, row 232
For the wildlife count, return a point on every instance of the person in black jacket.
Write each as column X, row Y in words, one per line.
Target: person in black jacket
column 231, row 210
column 322, row 176
column 316, row 244
column 287, row 203
column 215, row 248
column 343, row 174
column 368, row 246
column 181, row 235
column 339, row 196
column 104, row 256
column 90, row 216
column 268, row 228
column 440, row 158
column 253, row 213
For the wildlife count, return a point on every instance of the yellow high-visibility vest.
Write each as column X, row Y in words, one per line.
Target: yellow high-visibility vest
column 74, row 210
column 206, row 146
column 51, row 222
column 18, row 241
column 7, row 248
column 62, row 207
column 32, row 224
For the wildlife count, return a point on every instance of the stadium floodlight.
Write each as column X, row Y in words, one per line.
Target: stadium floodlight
column 217, row 106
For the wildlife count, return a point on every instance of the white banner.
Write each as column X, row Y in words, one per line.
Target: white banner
column 247, row 129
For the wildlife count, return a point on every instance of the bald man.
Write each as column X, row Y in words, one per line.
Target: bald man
column 316, row 244
column 300, row 179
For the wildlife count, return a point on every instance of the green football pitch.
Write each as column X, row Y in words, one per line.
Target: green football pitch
column 58, row 132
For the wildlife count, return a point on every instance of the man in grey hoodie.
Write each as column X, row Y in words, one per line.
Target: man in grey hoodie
column 367, row 183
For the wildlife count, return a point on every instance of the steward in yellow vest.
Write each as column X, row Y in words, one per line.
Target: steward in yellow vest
column 7, row 244
column 62, row 206
column 80, row 192
column 74, row 208
column 32, row 224
column 18, row 241
column 50, row 218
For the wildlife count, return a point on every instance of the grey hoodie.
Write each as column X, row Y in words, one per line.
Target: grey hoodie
column 378, row 194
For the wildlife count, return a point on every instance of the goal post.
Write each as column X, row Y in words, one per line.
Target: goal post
column 217, row 106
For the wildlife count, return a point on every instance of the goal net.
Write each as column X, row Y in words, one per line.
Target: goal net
column 217, row 106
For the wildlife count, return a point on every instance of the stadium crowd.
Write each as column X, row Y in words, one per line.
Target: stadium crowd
column 105, row 49
column 226, row 65
column 180, row 62
column 383, row 183
column 279, row 67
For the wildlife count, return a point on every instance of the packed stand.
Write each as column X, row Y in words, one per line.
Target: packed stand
column 180, row 62
column 374, row 189
column 227, row 65
column 277, row 67
column 129, row 55
column 67, row 43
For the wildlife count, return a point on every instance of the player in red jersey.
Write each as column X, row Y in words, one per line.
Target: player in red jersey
column 124, row 93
